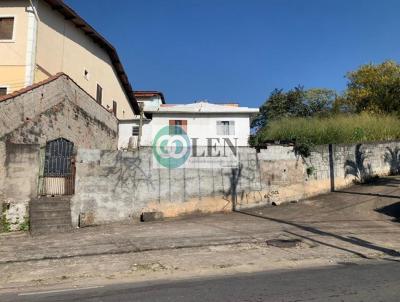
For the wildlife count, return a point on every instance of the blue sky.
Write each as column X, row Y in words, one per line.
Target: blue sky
column 238, row 50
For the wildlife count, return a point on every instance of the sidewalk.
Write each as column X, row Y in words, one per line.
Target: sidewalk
column 340, row 225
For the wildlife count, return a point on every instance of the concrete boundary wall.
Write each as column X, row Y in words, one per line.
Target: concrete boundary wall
column 21, row 169
column 116, row 185
column 55, row 108
column 27, row 107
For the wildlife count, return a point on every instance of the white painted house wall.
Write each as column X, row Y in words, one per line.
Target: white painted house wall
column 125, row 133
column 201, row 125
column 125, row 127
column 150, row 103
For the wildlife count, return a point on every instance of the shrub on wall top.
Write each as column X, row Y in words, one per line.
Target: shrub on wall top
column 337, row 129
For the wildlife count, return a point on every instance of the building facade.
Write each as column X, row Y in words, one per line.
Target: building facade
column 41, row 38
column 200, row 121
column 43, row 126
column 129, row 129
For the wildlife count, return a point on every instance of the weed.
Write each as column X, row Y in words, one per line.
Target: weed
column 336, row 129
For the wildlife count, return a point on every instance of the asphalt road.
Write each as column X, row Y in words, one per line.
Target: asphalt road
column 348, row 282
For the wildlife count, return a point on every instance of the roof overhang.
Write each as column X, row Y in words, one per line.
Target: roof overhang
column 246, row 111
column 79, row 22
column 146, row 93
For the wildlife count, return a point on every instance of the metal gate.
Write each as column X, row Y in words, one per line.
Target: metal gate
column 58, row 174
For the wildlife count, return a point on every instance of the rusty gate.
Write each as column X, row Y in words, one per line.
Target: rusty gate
column 58, row 169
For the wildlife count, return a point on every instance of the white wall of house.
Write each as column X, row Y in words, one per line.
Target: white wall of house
column 199, row 125
column 125, row 127
column 150, row 103
column 125, row 138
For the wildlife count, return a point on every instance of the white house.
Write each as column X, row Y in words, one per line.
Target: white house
column 129, row 129
column 200, row 120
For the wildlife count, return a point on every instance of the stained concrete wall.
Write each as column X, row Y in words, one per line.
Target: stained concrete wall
column 20, row 183
column 59, row 108
column 116, row 185
column 55, row 109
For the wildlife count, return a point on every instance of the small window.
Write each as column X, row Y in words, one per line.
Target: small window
column 99, row 94
column 177, row 127
column 225, row 128
column 3, row 91
column 135, row 131
column 86, row 74
column 6, row 28
column 114, row 110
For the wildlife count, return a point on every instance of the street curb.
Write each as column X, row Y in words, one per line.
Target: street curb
column 132, row 251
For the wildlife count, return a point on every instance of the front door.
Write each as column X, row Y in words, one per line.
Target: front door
column 58, row 170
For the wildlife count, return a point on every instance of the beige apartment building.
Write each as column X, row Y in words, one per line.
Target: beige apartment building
column 40, row 38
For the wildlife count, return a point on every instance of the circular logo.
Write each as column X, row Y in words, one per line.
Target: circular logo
column 171, row 146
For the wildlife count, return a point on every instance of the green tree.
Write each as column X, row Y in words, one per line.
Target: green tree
column 374, row 88
column 274, row 104
column 280, row 104
column 296, row 102
column 319, row 101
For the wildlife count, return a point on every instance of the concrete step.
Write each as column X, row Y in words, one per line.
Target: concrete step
column 54, row 199
column 49, row 201
column 46, row 207
column 50, row 221
column 50, row 214
column 49, row 229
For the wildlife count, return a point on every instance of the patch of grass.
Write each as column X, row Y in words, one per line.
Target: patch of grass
column 337, row 129
column 25, row 225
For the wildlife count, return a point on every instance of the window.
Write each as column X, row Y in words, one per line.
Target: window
column 6, row 28
column 114, row 110
column 3, row 91
column 226, row 128
column 177, row 127
column 99, row 94
column 135, row 131
column 86, row 74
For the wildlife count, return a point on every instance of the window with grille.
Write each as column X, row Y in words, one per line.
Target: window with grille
column 6, row 28
column 3, row 91
column 226, row 128
column 135, row 131
column 177, row 127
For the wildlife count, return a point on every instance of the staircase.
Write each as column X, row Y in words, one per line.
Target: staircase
column 50, row 215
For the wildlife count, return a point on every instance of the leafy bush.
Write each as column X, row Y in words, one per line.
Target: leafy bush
column 336, row 129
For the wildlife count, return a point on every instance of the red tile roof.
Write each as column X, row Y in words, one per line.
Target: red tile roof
column 146, row 93
column 31, row 87
column 44, row 82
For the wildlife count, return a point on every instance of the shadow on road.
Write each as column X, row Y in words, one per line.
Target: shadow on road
column 392, row 210
column 369, row 194
column 382, row 182
column 351, row 240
